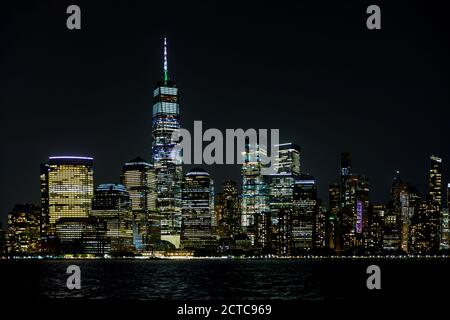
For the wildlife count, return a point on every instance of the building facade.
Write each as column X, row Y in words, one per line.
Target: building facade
column 112, row 204
column 24, row 223
column 139, row 179
column 255, row 211
column 198, row 210
column 166, row 160
column 67, row 189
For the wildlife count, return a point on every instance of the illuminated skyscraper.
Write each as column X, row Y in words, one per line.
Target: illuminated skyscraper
column 81, row 236
column 198, row 210
column 445, row 223
column 112, row 204
column 306, row 207
column 228, row 210
column 255, row 213
column 3, row 243
column 67, row 188
column 139, row 179
column 24, row 229
column 445, row 229
column 448, row 196
column 374, row 233
column 331, row 217
column 426, row 227
column 167, row 163
column 281, row 194
column 345, row 174
column 343, row 218
column 404, row 203
column 354, row 202
column 425, row 233
column 435, row 183
column 288, row 160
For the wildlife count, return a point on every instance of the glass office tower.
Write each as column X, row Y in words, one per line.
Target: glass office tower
column 255, row 213
column 167, row 163
column 67, row 188
column 138, row 176
column 112, row 204
column 198, row 210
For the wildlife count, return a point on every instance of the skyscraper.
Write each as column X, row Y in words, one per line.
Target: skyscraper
column 426, row 229
column 24, row 229
column 288, row 160
column 228, row 210
column 435, row 183
column 306, row 207
column 3, row 243
column 432, row 217
column 81, row 235
column 138, row 176
column 445, row 223
column 198, row 210
column 345, row 171
column 255, row 214
column 354, row 202
column 404, row 203
column 281, row 194
column 112, row 204
column 331, row 218
column 448, row 195
column 374, row 234
column 67, row 188
column 167, row 163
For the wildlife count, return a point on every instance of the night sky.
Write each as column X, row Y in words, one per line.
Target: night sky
column 311, row 69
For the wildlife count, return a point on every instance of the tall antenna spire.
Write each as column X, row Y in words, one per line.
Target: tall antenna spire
column 166, row 74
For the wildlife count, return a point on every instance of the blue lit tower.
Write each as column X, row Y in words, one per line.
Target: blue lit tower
column 167, row 164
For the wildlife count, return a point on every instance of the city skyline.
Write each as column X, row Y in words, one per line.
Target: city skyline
column 316, row 152
column 158, row 210
column 220, row 158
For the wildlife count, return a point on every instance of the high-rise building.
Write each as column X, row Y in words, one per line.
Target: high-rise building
column 435, row 183
column 281, row 193
column 445, row 229
column 353, row 213
column 67, row 188
column 375, row 224
column 320, row 225
column 288, row 160
column 255, row 213
column 445, row 223
column 343, row 218
column 24, row 229
column 112, row 204
column 425, row 234
column 448, row 195
column 228, row 210
column 198, row 210
column 138, row 176
column 81, row 236
column 404, row 203
column 345, row 171
column 3, row 242
column 428, row 226
column 332, row 214
column 306, row 206
column 167, row 162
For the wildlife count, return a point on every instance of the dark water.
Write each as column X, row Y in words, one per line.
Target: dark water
column 286, row 280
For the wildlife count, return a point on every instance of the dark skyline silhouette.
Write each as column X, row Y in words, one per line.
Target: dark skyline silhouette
column 313, row 70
